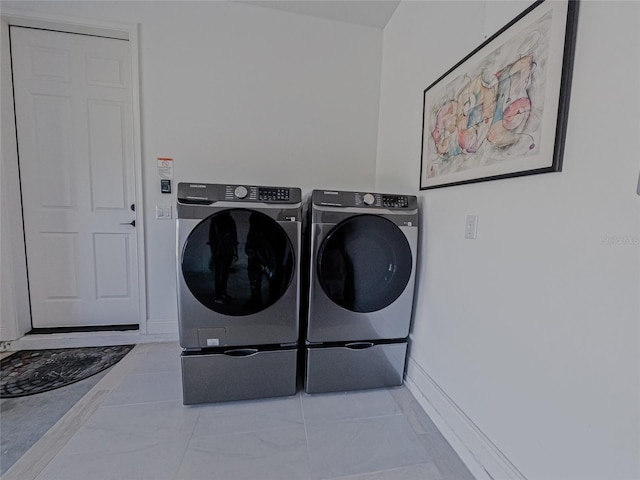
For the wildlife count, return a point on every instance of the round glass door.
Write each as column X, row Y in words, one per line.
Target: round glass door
column 364, row 264
column 238, row 262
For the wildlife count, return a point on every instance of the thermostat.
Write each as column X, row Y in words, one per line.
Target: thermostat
column 165, row 185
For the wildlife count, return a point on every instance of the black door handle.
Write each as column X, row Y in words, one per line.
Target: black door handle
column 132, row 223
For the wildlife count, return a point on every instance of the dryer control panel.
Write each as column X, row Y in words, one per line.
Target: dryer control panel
column 334, row 198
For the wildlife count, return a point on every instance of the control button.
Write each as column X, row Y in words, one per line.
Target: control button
column 368, row 199
column 274, row 194
column 241, row 192
column 395, row 201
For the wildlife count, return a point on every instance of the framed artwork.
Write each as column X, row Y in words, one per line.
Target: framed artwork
column 502, row 110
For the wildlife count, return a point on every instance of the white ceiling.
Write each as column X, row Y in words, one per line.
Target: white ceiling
column 373, row 13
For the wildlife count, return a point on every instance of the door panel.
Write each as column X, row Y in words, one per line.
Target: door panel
column 238, row 262
column 329, row 321
column 60, row 266
column 106, row 144
column 364, row 264
column 113, row 260
column 51, row 129
column 73, row 101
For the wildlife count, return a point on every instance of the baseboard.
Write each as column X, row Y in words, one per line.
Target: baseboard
column 84, row 329
column 480, row 455
column 85, row 339
column 157, row 331
column 162, row 327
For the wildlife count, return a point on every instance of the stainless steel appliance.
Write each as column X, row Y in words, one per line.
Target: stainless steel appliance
column 238, row 259
column 362, row 265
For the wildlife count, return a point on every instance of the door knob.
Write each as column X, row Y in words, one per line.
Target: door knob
column 132, row 223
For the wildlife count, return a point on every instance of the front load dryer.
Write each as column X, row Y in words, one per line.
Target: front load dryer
column 363, row 249
column 238, row 290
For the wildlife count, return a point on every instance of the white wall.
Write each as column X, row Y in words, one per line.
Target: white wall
column 242, row 94
column 533, row 329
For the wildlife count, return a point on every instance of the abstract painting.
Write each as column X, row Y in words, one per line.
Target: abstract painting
column 502, row 111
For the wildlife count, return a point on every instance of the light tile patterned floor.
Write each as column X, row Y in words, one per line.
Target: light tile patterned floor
column 141, row 430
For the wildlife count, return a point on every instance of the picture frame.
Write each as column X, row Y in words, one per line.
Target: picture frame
column 502, row 110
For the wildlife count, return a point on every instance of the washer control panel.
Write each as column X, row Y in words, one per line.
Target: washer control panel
column 266, row 194
column 395, row 201
column 260, row 194
column 368, row 199
column 208, row 193
column 241, row 192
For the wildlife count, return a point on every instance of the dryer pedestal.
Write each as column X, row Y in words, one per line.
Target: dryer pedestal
column 354, row 366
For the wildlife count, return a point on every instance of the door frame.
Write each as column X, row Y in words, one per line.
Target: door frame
column 21, row 321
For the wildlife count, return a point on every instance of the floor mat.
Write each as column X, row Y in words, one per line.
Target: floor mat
column 28, row 372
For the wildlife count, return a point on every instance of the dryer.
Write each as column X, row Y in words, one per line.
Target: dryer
column 363, row 249
column 238, row 290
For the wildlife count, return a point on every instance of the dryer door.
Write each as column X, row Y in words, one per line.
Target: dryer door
column 238, row 262
column 364, row 263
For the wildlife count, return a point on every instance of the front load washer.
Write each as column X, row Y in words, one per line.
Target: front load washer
column 238, row 290
column 363, row 249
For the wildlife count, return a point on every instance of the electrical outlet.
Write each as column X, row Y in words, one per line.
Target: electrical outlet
column 471, row 227
column 163, row 212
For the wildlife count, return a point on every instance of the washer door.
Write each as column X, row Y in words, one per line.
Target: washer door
column 238, row 262
column 364, row 263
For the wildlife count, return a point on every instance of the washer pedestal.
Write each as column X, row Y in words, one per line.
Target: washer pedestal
column 238, row 374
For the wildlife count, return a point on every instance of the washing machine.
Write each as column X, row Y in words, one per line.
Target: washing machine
column 362, row 268
column 238, row 267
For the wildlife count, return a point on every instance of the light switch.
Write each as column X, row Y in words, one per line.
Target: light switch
column 471, row 227
column 163, row 212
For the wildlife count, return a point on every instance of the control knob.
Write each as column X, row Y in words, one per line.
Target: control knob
column 369, row 199
column 241, row 192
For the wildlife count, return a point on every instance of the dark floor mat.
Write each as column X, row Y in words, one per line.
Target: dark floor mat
column 28, row 372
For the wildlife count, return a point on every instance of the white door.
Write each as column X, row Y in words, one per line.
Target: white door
column 73, row 102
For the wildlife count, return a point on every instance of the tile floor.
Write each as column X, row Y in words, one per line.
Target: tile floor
column 132, row 425
column 24, row 420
